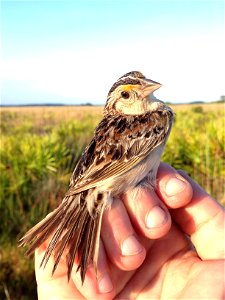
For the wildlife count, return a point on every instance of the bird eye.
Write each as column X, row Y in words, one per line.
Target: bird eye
column 125, row 95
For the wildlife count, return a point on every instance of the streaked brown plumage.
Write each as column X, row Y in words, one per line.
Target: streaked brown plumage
column 124, row 153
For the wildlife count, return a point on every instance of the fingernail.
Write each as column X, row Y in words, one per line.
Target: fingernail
column 105, row 284
column 174, row 186
column 156, row 217
column 131, row 246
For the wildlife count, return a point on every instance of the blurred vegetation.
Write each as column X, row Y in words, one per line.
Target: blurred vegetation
column 39, row 149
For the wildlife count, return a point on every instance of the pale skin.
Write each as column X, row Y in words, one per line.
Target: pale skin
column 155, row 257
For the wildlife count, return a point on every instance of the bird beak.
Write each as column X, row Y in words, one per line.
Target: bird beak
column 149, row 86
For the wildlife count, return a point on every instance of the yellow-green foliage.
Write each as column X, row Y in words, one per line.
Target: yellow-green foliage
column 39, row 149
column 196, row 144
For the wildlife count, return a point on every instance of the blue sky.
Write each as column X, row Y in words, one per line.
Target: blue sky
column 72, row 51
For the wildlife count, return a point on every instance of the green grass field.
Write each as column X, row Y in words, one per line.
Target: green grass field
column 39, row 149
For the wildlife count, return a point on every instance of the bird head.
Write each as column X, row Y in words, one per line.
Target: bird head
column 131, row 95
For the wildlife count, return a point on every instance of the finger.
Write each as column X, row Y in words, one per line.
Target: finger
column 152, row 272
column 96, row 286
column 203, row 219
column 105, row 284
column 45, row 273
column 172, row 188
column 56, row 286
column 119, row 238
column 147, row 212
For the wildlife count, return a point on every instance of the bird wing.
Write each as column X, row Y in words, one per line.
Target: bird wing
column 119, row 144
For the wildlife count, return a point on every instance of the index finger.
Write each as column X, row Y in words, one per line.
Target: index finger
column 201, row 217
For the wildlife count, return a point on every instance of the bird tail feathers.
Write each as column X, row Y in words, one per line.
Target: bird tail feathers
column 71, row 229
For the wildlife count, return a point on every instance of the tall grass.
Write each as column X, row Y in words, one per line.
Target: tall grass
column 39, row 149
column 197, row 145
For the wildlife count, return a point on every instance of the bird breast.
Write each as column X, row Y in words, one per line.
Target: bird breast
column 144, row 170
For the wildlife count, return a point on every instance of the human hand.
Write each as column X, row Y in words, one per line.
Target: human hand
column 169, row 266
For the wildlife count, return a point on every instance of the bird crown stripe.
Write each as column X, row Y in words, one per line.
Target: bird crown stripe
column 134, row 77
column 124, row 81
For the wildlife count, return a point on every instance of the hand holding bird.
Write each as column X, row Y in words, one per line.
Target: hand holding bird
column 168, row 266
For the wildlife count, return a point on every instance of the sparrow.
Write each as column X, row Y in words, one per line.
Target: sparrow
column 124, row 154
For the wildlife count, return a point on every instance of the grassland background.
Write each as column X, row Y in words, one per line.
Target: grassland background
column 39, row 149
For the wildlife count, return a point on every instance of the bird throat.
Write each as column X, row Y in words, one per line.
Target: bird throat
column 137, row 108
